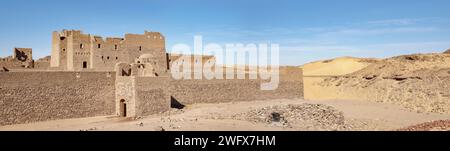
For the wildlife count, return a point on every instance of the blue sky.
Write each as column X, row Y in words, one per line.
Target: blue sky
column 306, row 30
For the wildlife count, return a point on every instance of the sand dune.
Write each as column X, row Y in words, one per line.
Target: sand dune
column 338, row 66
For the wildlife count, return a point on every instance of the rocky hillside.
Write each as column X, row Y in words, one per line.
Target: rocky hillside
column 419, row 82
column 447, row 52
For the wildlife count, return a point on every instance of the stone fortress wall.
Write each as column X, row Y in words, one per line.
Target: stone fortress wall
column 42, row 63
column 233, row 90
column 137, row 84
column 39, row 96
column 140, row 90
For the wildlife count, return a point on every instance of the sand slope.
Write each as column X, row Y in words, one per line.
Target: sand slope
column 338, row 66
column 447, row 52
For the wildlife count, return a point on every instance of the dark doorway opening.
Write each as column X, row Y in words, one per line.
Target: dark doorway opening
column 84, row 64
column 174, row 103
column 126, row 72
column 123, row 108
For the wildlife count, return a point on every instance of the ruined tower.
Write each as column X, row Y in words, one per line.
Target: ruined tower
column 21, row 58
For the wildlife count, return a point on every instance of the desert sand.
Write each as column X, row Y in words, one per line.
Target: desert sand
column 243, row 116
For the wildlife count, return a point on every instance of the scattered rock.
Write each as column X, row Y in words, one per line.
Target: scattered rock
column 160, row 128
column 441, row 125
column 275, row 117
column 370, row 77
column 303, row 115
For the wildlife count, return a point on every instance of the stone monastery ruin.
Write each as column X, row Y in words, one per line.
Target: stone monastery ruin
column 88, row 76
column 75, row 51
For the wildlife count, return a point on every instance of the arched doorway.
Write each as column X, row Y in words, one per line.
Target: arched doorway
column 123, row 108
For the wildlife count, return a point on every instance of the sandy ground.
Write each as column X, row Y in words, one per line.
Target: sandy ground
column 359, row 115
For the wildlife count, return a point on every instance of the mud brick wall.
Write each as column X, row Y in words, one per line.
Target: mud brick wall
column 39, row 96
column 43, row 65
column 152, row 95
column 11, row 64
column 233, row 90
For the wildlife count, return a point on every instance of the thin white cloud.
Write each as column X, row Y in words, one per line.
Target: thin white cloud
column 306, row 41
column 318, row 48
column 378, row 31
column 396, row 22
column 433, row 46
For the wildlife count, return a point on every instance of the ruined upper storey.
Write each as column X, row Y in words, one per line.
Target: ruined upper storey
column 73, row 50
column 21, row 58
